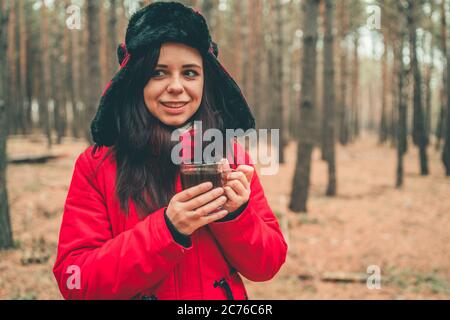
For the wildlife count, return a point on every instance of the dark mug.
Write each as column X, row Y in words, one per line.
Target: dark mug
column 193, row 174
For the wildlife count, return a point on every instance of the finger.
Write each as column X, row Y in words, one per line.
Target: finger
column 214, row 216
column 192, row 192
column 203, row 199
column 210, row 207
column 239, row 176
column 247, row 170
column 231, row 194
column 225, row 169
column 237, row 187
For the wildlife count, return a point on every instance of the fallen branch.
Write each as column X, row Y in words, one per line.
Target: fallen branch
column 344, row 277
column 33, row 159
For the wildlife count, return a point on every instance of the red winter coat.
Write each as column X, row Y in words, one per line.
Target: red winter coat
column 125, row 257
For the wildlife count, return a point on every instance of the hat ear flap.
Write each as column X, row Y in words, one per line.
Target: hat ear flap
column 121, row 52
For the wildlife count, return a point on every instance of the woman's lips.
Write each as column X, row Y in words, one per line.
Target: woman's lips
column 174, row 108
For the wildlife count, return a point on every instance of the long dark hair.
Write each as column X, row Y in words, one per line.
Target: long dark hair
column 145, row 171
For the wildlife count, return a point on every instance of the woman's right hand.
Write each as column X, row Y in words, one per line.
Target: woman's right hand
column 191, row 209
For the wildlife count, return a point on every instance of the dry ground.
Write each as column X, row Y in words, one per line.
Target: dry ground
column 406, row 232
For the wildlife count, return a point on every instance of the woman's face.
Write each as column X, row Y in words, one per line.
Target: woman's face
column 174, row 93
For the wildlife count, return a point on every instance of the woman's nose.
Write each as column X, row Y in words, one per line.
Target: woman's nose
column 175, row 86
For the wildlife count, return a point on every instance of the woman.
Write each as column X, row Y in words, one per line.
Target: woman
column 129, row 231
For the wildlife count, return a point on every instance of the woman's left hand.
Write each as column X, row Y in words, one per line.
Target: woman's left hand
column 237, row 187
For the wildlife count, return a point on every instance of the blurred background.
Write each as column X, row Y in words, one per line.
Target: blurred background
column 357, row 88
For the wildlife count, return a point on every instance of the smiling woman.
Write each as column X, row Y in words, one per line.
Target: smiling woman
column 129, row 227
column 174, row 92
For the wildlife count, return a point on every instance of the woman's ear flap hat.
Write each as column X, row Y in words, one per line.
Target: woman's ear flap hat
column 153, row 25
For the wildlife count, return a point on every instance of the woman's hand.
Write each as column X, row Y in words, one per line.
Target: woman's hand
column 237, row 186
column 191, row 209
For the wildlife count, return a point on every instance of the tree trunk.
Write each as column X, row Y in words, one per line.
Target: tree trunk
column 18, row 106
column 59, row 103
column 279, row 107
column 428, row 92
column 6, row 239
column 104, row 45
column 45, row 77
column 343, row 112
column 23, row 102
column 71, row 74
column 383, row 133
column 257, row 62
column 440, row 129
column 307, row 125
column 354, row 123
column 207, row 12
column 32, row 51
column 11, row 95
column 245, row 34
column 394, row 99
column 419, row 137
column 94, row 85
column 446, row 151
column 328, row 124
column 402, row 116
column 112, row 36
column 238, row 38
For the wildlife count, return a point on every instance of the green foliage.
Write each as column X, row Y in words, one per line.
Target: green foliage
column 409, row 280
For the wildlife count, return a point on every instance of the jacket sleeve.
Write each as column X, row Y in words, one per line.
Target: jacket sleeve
column 253, row 242
column 91, row 264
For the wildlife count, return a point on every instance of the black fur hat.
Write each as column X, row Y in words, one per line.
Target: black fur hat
column 152, row 26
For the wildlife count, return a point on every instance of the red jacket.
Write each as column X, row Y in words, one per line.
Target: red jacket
column 125, row 257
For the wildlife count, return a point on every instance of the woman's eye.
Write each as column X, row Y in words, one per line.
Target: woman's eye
column 191, row 73
column 158, row 73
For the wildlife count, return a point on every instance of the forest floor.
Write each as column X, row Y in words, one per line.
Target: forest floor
column 369, row 224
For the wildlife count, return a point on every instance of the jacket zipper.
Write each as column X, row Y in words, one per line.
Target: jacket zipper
column 224, row 284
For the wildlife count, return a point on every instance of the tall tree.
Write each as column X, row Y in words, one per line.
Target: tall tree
column 429, row 48
column 328, row 125
column 238, row 37
column 12, row 72
column 354, row 102
column 419, row 137
column 356, row 13
column 343, row 56
column 207, row 11
column 245, row 33
column 294, row 66
column 112, row 36
column 276, row 79
column 257, row 56
column 446, row 151
column 440, row 129
column 71, row 86
column 31, row 28
column 383, row 130
column 6, row 238
column 45, row 76
column 57, row 72
column 402, row 107
column 446, row 124
column 23, row 108
column 307, row 122
column 94, row 80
